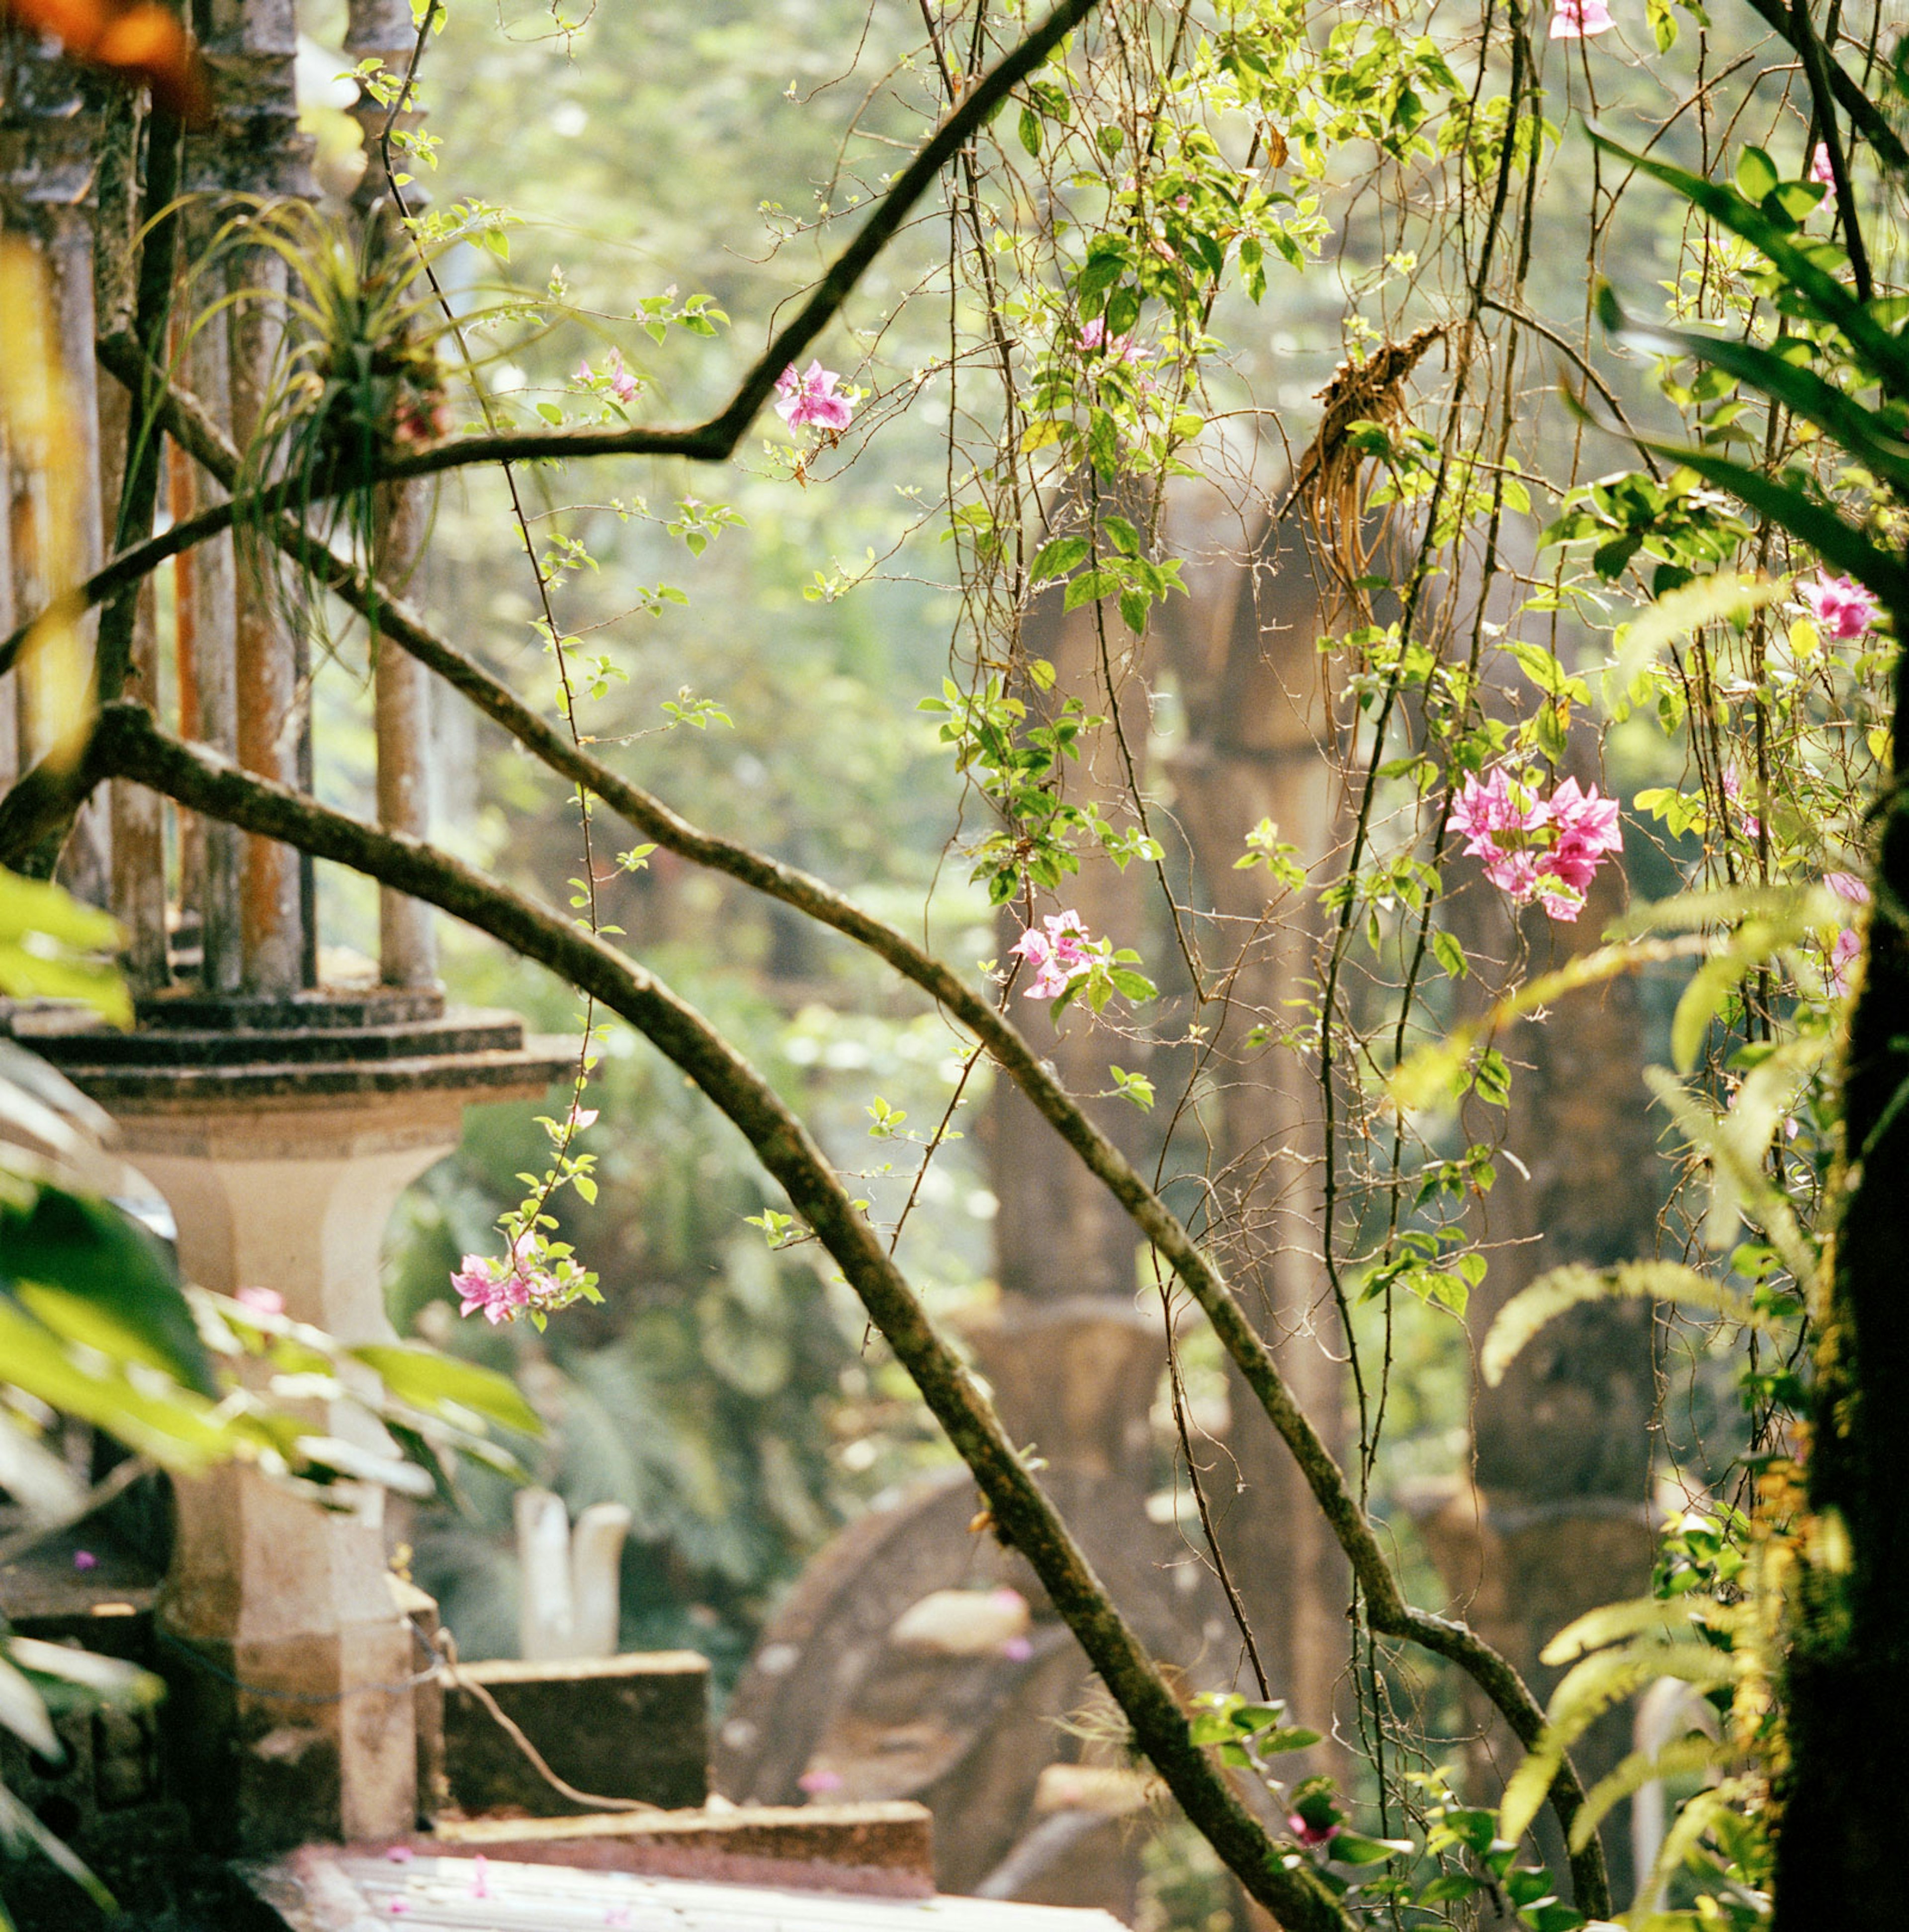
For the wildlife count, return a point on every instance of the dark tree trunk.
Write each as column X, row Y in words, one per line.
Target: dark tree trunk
column 1845, row 1821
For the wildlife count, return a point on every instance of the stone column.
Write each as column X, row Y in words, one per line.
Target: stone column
column 255, row 149
column 290, row 1599
column 281, row 1137
column 1259, row 746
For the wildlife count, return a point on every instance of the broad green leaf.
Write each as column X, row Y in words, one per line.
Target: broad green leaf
column 1058, row 558
column 96, row 1276
column 429, row 1381
column 1756, row 175
column 22, row 1713
column 1800, row 389
column 1351, row 1848
column 1887, row 358
column 179, row 1431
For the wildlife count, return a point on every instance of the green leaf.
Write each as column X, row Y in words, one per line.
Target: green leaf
column 1056, row 559
column 95, row 1276
column 1030, row 132
column 1887, row 358
column 22, row 1713
column 427, row 1380
column 1351, row 1848
column 1801, row 390
column 1756, row 174
column 1285, row 1737
column 1121, row 534
column 1088, row 588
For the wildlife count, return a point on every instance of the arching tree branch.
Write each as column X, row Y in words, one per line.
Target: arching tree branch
column 43, row 798
column 128, row 744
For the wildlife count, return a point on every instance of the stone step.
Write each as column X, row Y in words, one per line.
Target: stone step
column 877, row 1850
column 635, row 1727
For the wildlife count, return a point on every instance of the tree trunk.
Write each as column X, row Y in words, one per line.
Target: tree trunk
column 1259, row 746
column 1557, row 1518
column 1841, row 1845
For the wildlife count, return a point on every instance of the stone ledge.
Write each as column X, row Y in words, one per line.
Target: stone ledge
column 884, row 1850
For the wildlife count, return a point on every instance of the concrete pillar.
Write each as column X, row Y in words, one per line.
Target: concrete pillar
column 290, row 1600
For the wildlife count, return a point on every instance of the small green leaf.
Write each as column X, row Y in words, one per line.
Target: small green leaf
column 1756, row 175
column 1349, row 1848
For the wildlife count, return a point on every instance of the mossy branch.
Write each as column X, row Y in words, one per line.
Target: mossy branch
column 128, row 744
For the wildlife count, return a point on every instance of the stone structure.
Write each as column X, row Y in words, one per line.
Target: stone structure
column 917, row 1659
column 281, row 1133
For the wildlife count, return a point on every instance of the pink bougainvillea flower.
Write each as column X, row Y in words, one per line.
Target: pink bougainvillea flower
column 1580, row 19
column 1057, row 950
column 621, row 383
column 1843, row 956
column 261, row 1300
column 399, row 1855
column 818, row 1783
column 810, row 398
column 580, row 1117
column 1093, row 335
column 503, row 1290
column 1533, row 848
column 1820, row 169
column 1587, row 829
column 1016, row 1649
column 85, row 1559
column 1310, row 1834
column 480, row 1877
column 1840, row 605
column 1733, row 791
column 1848, row 946
column 1499, row 821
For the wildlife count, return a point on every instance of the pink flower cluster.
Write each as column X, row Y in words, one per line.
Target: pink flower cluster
column 810, row 398
column 1821, row 167
column 1849, row 942
column 1093, row 335
column 1841, row 606
column 622, row 385
column 1580, row 19
column 503, row 1290
column 1545, row 849
column 1058, row 955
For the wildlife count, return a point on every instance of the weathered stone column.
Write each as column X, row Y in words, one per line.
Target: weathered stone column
column 282, row 1133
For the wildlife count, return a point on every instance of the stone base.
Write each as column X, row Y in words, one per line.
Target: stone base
column 634, row 1727
column 321, row 1736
